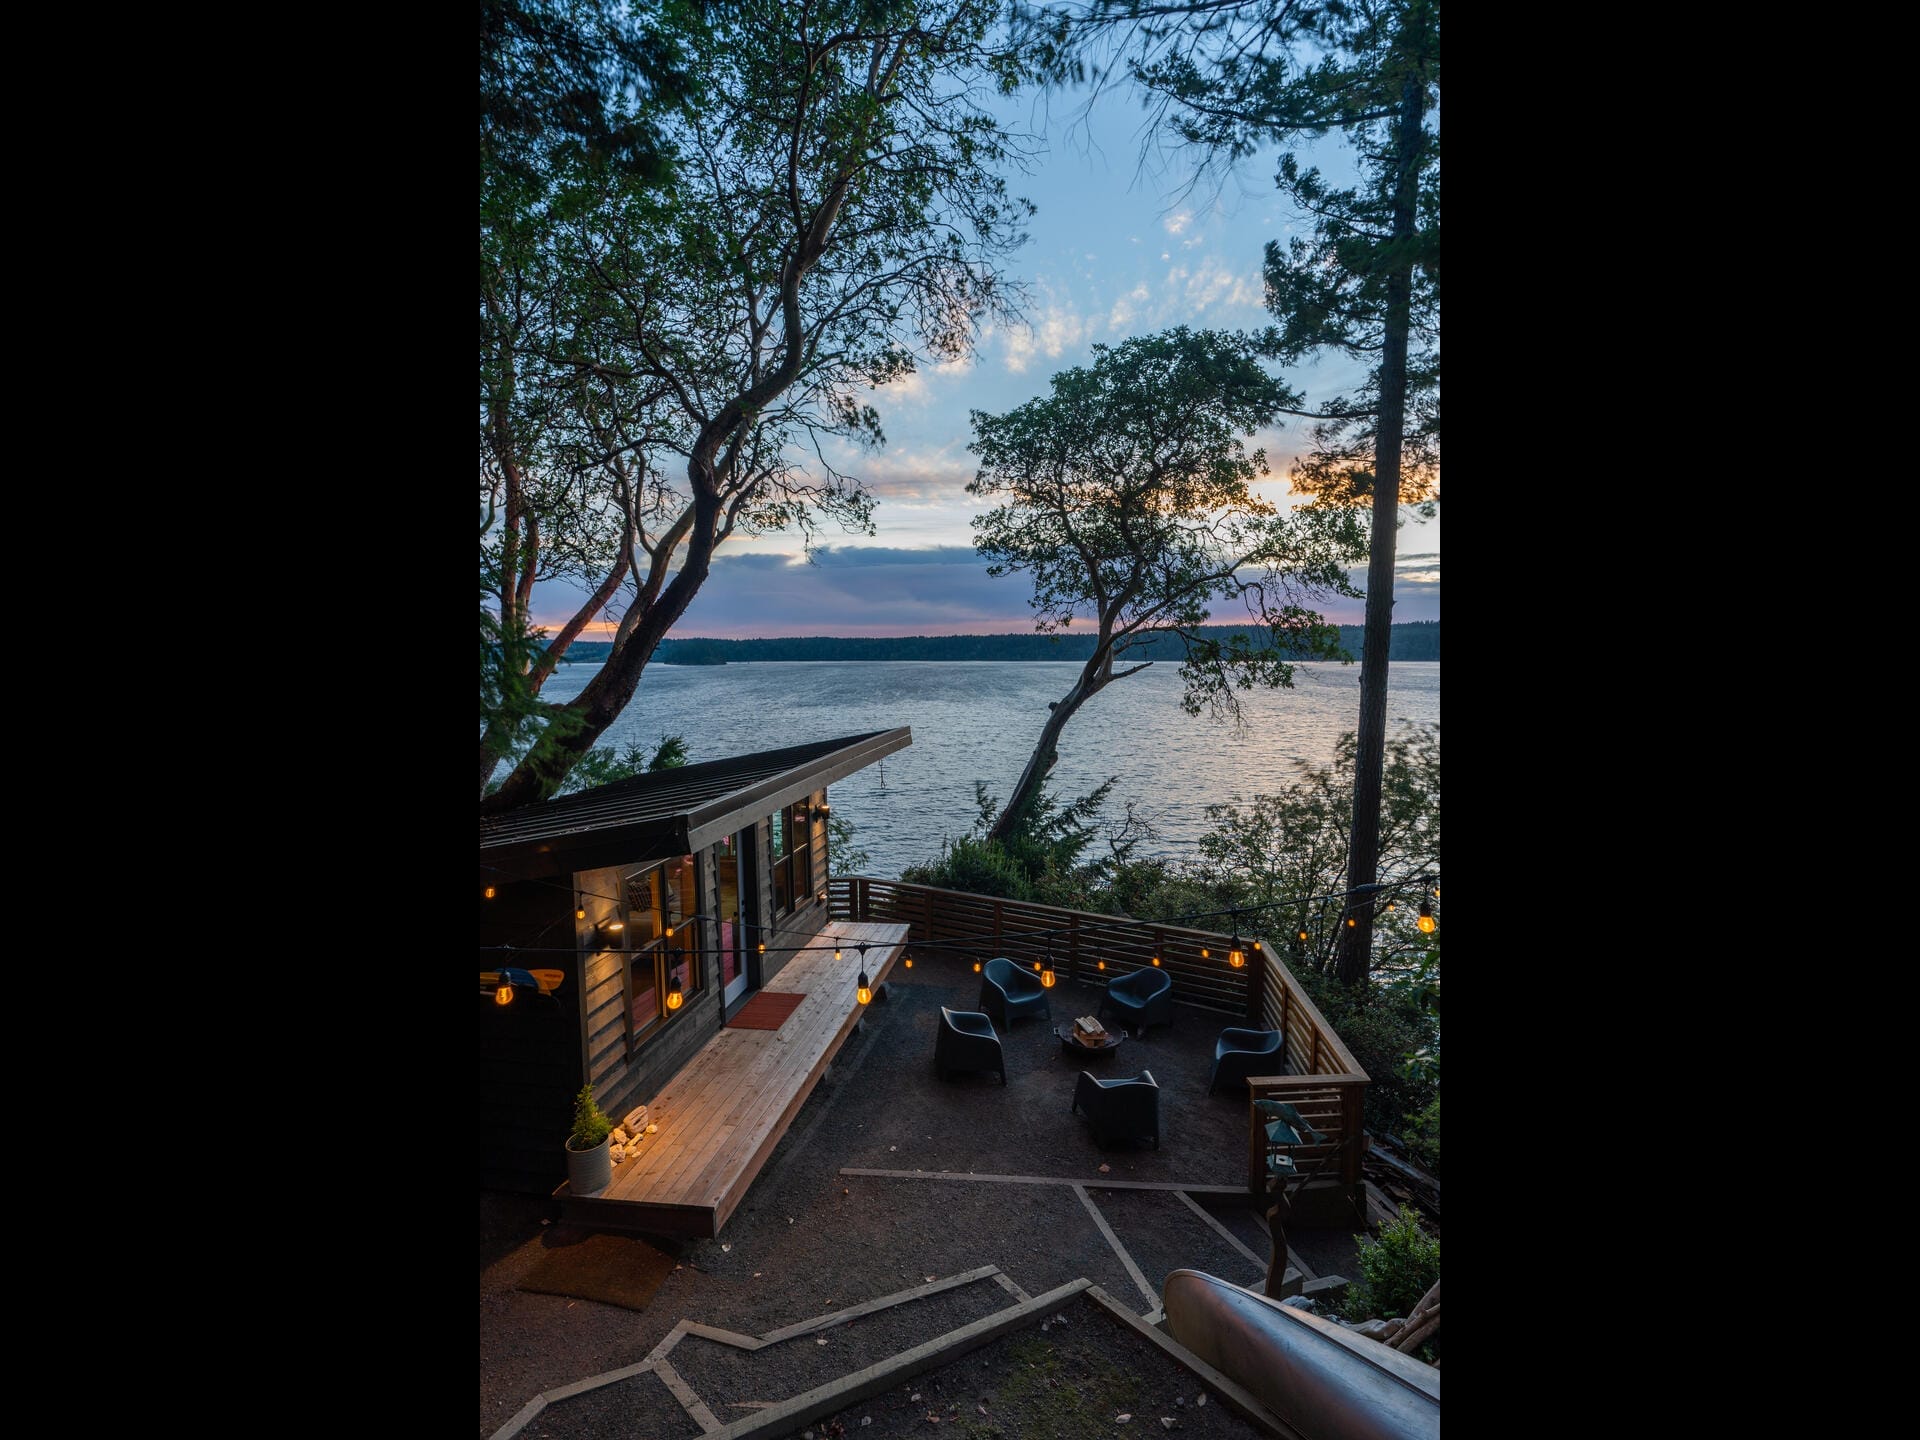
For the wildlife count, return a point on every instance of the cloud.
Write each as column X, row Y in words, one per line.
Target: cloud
column 858, row 590
column 1055, row 328
column 1127, row 307
column 1176, row 223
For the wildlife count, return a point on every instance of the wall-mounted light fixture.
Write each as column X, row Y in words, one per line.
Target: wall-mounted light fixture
column 821, row 811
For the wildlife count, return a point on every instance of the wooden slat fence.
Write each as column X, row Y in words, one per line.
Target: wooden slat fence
column 982, row 926
column 1321, row 1078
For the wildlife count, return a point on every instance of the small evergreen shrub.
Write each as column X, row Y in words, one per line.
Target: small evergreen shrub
column 1395, row 1270
column 590, row 1124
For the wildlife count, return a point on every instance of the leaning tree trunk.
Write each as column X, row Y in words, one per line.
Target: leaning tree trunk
column 1363, row 851
column 1093, row 678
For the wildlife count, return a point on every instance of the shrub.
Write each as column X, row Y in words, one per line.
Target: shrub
column 1395, row 1270
column 590, row 1124
column 1423, row 1136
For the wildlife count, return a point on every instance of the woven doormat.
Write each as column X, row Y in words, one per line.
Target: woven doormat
column 613, row 1269
column 766, row 1011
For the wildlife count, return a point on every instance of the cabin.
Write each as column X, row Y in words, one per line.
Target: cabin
column 638, row 919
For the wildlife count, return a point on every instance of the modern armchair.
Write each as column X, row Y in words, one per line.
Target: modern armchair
column 1241, row 1053
column 1007, row 992
column 1141, row 999
column 1120, row 1109
column 966, row 1042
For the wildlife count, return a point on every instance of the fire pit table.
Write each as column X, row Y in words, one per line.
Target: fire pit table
column 1072, row 1043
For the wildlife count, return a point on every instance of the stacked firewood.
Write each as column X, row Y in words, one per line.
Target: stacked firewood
column 1090, row 1030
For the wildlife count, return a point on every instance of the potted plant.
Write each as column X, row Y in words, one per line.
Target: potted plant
column 589, row 1150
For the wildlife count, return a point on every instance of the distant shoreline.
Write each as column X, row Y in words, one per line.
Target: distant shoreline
column 1412, row 640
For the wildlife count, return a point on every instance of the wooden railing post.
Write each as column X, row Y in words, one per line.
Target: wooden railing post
column 1314, row 1068
column 1073, row 949
column 999, row 945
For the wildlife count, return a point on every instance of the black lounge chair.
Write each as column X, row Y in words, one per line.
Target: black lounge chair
column 1120, row 1109
column 1143, row 998
column 966, row 1042
column 1241, row 1053
column 1007, row 992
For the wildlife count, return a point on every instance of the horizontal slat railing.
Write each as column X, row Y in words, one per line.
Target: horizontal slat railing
column 1085, row 946
column 1323, row 1080
column 1331, row 1105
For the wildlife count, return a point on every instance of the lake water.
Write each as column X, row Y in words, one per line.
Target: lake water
column 979, row 721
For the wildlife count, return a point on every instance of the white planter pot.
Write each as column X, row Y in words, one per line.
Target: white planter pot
column 590, row 1171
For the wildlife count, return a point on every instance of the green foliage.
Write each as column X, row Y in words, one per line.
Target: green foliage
column 1395, row 1270
column 606, row 763
column 1423, row 1134
column 590, row 1125
column 1382, row 1028
column 660, row 342
column 1041, row 859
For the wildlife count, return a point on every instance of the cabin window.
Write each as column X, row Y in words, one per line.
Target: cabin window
column 660, row 899
column 792, row 835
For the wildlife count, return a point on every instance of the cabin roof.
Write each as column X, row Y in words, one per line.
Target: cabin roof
column 669, row 812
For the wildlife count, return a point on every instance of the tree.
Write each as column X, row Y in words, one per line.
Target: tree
column 837, row 211
column 1127, row 494
column 1228, row 76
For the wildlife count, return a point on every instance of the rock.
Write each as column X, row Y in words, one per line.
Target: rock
column 914, row 1399
column 1167, row 1422
column 1200, row 1400
column 652, row 1128
column 1179, row 1402
column 1122, row 1419
column 1059, row 1319
column 1299, row 1302
column 865, row 1420
column 619, row 1153
column 620, row 1136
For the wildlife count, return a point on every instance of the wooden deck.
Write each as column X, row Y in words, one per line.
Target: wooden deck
column 723, row 1113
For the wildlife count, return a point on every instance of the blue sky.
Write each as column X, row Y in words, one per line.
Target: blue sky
column 1117, row 249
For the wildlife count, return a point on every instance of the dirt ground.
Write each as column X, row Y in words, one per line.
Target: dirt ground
column 809, row 1240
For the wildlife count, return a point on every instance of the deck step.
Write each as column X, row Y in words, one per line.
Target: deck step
column 660, row 1396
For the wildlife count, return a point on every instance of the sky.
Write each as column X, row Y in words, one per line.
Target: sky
column 1120, row 246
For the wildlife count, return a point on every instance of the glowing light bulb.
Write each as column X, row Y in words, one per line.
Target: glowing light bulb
column 1156, row 960
column 976, row 967
column 1048, row 979
column 1426, row 917
column 674, row 998
column 504, row 995
column 488, row 892
column 865, row 992
column 909, row 962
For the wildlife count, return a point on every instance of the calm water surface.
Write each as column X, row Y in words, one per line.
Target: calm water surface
column 979, row 721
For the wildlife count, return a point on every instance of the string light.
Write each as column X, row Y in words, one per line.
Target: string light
column 504, row 995
column 1425, row 921
column 674, row 998
column 580, row 907
column 488, row 892
column 976, row 967
column 865, row 991
column 908, row 959
column 1047, row 978
column 1236, row 957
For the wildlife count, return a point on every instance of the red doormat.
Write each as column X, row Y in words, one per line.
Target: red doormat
column 766, row 1011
